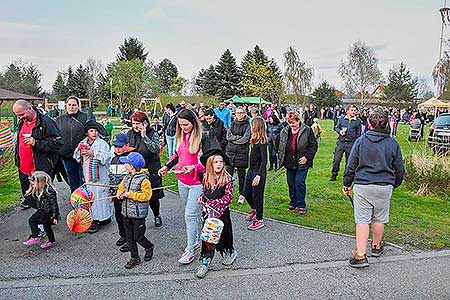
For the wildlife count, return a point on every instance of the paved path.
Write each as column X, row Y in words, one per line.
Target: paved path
column 276, row 262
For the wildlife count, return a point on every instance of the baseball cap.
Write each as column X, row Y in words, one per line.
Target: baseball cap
column 134, row 158
column 120, row 139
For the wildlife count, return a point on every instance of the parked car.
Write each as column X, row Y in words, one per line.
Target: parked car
column 439, row 137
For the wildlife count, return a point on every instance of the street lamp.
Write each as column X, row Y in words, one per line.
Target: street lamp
column 110, row 89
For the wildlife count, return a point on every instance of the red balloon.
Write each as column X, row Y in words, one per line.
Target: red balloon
column 79, row 220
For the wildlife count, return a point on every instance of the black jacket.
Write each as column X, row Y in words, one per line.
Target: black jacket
column 375, row 158
column 306, row 146
column 273, row 133
column 169, row 125
column 217, row 130
column 353, row 129
column 72, row 130
column 238, row 137
column 48, row 143
column 48, row 203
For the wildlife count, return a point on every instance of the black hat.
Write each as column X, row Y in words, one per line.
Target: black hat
column 211, row 152
column 91, row 124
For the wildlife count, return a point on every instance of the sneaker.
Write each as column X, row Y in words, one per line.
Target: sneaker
column 302, row 210
column 124, row 248
column 333, row 178
column 24, row 205
column 48, row 245
column 291, row 208
column 32, row 241
column 158, row 222
column 201, row 270
column 148, row 254
column 186, row 258
column 133, row 262
column 358, row 261
column 241, row 200
column 255, row 225
column 229, row 259
column 198, row 245
column 377, row 252
column 121, row 241
column 251, row 215
column 94, row 227
column 104, row 222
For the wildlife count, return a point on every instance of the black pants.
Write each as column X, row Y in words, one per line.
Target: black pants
column 241, row 176
column 135, row 231
column 44, row 218
column 119, row 217
column 273, row 155
column 154, row 205
column 255, row 194
column 341, row 148
column 25, row 184
column 225, row 244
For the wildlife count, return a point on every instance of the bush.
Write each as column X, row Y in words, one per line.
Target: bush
column 427, row 174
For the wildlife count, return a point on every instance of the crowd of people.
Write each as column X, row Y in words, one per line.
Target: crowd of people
column 211, row 150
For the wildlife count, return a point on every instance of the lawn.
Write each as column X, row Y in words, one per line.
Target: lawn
column 420, row 222
column 9, row 182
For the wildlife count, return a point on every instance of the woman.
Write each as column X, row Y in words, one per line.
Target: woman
column 170, row 123
column 190, row 144
column 145, row 140
column 93, row 154
column 298, row 147
column 273, row 135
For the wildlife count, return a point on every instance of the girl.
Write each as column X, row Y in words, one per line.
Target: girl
column 273, row 135
column 217, row 195
column 44, row 194
column 190, row 143
column 94, row 155
column 255, row 180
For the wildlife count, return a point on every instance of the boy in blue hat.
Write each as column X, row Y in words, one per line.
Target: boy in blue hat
column 135, row 191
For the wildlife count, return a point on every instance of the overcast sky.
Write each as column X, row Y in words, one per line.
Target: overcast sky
column 194, row 33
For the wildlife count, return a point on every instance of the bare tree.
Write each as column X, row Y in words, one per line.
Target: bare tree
column 298, row 75
column 360, row 70
column 94, row 69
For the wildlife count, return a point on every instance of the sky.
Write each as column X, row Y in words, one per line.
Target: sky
column 194, row 33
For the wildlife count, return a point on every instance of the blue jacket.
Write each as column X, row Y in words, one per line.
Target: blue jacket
column 224, row 115
column 375, row 158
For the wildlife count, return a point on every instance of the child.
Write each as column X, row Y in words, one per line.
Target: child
column 135, row 191
column 42, row 191
column 255, row 180
column 216, row 196
column 376, row 167
column 317, row 130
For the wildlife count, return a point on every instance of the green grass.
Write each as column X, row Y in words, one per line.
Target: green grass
column 421, row 222
column 9, row 182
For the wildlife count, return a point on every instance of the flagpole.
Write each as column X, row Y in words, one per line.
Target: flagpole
column 442, row 35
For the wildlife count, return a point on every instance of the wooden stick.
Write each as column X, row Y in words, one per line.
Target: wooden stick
column 115, row 186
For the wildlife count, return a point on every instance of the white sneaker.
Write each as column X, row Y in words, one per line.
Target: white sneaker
column 186, row 258
column 241, row 199
column 198, row 245
column 229, row 259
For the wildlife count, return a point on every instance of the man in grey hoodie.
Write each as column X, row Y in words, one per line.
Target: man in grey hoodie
column 375, row 166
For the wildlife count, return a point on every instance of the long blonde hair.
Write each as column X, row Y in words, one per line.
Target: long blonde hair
column 195, row 139
column 259, row 133
column 211, row 179
column 35, row 191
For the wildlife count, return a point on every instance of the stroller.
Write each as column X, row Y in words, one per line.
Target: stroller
column 415, row 132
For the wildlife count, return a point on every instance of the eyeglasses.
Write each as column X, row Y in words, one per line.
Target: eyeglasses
column 240, row 112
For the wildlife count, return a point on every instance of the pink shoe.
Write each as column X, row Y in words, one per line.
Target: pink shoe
column 32, row 241
column 48, row 245
column 255, row 225
column 251, row 215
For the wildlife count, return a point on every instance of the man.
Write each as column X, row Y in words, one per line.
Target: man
column 375, row 166
column 232, row 108
column 182, row 105
column 237, row 149
column 37, row 145
column 223, row 114
column 310, row 115
column 71, row 126
column 215, row 128
column 349, row 129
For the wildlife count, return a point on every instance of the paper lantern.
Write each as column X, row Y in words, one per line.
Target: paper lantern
column 79, row 220
column 82, row 198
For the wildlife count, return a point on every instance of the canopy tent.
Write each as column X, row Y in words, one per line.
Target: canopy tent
column 433, row 102
column 248, row 100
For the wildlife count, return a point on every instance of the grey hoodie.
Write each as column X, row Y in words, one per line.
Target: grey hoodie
column 375, row 158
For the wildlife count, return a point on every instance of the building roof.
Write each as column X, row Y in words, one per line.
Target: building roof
column 10, row 95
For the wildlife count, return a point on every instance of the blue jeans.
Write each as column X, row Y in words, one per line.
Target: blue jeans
column 189, row 195
column 74, row 173
column 171, row 145
column 296, row 180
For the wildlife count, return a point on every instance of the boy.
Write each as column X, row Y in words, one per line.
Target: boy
column 376, row 167
column 135, row 192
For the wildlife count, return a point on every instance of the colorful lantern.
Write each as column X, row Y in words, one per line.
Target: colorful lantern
column 82, row 198
column 79, row 220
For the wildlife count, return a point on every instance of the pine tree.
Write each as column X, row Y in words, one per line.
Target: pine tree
column 210, row 82
column 200, row 82
column 166, row 72
column 59, row 88
column 325, row 95
column 12, row 78
column 31, row 82
column 131, row 49
column 402, row 88
column 228, row 76
column 71, row 82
